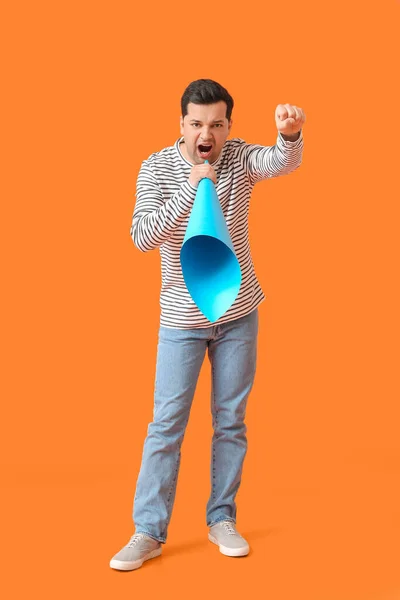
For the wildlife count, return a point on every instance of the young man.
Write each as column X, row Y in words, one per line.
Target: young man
column 166, row 189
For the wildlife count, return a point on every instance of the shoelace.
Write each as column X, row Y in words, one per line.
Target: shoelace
column 134, row 539
column 229, row 527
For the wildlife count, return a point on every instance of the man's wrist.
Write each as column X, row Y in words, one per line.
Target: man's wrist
column 291, row 138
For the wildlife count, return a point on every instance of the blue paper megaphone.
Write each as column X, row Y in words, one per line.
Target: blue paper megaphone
column 210, row 267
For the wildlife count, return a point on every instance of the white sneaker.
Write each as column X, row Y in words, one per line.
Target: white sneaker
column 140, row 548
column 230, row 542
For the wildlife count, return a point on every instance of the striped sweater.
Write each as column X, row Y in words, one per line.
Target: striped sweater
column 164, row 198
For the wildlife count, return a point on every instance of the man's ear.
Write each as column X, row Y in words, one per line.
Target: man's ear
column 230, row 125
column 181, row 124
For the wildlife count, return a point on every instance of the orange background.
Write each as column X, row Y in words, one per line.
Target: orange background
column 91, row 89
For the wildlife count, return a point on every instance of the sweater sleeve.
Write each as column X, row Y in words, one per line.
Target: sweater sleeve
column 154, row 219
column 262, row 162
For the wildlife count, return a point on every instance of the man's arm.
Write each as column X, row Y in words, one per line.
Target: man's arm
column 286, row 155
column 263, row 162
column 154, row 220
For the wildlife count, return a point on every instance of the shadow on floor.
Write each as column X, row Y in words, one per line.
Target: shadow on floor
column 174, row 548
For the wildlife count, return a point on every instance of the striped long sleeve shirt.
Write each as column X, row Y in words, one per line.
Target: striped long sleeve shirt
column 164, row 198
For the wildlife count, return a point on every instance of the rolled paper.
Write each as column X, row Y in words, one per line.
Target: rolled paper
column 209, row 264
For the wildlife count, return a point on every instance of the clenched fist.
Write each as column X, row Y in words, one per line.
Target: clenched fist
column 200, row 171
column 289, row 119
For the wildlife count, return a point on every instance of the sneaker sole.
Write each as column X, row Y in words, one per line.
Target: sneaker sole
column 229, row 551
column 124, row 565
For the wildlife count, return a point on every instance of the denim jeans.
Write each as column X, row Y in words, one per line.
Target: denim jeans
column 232, row 351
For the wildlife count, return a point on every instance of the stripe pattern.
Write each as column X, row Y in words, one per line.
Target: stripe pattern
column 164, row 198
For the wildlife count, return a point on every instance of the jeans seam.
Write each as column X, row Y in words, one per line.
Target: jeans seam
column 215, row 430
column 174, row 481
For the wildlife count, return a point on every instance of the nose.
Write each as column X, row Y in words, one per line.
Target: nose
column 205, row 134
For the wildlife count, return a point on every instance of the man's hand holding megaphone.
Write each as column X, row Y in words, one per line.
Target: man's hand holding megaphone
column 199, row 172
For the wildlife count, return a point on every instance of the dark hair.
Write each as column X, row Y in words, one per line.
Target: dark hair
column 206, row 91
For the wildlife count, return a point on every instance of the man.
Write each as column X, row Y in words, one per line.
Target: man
column 166, row 189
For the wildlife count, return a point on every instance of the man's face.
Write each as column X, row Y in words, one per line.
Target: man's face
column 205, row 129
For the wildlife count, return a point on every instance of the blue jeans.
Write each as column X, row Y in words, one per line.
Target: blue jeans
column 232, row 351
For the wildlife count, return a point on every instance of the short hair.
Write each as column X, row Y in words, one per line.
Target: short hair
column 206, row 91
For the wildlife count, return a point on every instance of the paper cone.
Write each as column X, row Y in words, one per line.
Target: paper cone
column 209, row 265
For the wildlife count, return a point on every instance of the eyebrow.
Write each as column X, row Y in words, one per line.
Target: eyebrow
column 197, row 121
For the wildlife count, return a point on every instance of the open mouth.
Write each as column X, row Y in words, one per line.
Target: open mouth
column 205, row 150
